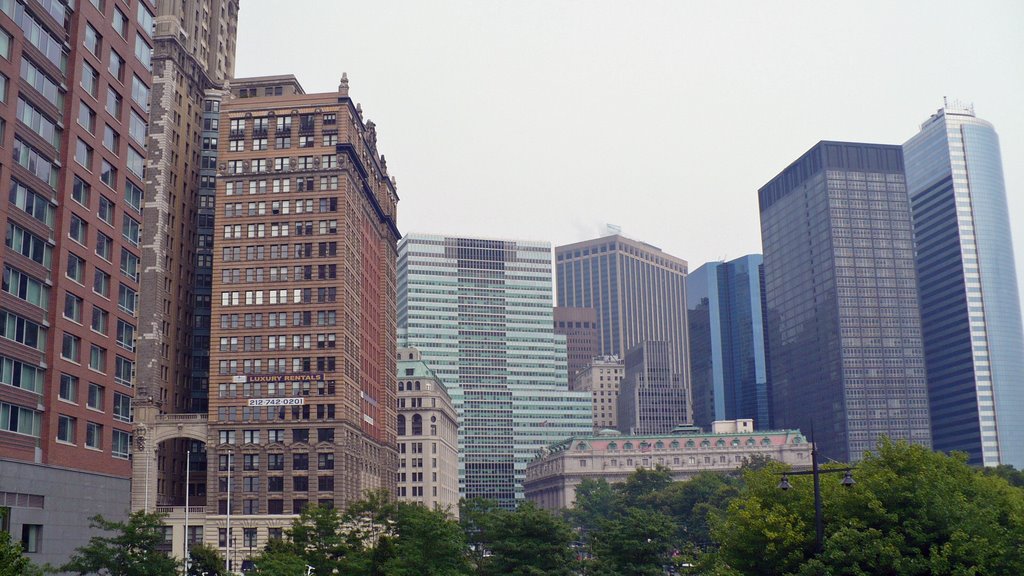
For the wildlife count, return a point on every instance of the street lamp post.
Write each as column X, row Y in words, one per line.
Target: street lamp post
column 819, row 519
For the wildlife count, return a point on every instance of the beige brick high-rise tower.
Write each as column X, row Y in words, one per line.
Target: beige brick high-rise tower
column 193, row 55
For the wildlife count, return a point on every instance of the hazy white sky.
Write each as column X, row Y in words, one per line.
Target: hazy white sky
column 543, row 120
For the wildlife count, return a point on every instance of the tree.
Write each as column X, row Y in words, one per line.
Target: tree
column 13, row 561
column 131, row 550
column 279, row 557
column 690, row 503
column 204, row 559
column 316, row 537
column 527, row 541
column 644, row 483
column 637, row 543
column 596, row 501
column 426, row 542
column 912, row 512
column 475, row 515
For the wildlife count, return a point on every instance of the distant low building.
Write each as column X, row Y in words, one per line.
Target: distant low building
column 652, row 397
column 552, row 478
column 602, row 378
column 579, row 326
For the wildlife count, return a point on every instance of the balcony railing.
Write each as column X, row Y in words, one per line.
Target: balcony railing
column 182, row 417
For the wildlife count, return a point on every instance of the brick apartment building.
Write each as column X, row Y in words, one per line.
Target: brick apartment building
column 75, row 83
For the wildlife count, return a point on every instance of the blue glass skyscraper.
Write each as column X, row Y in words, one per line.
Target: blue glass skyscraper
column 970, row 305
column 727, row 342
column 480, row 312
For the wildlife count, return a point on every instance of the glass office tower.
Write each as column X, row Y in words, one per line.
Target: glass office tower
column 970, row 306
column 843, row 320
column 727, row 344
column 480, row 312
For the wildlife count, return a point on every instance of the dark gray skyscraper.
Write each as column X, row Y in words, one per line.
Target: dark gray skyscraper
column 727, row 346
column 843, row 320
column 970, row 307
column 639, row 293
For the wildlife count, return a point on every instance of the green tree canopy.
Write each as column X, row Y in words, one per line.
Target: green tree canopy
column 129, row 550
column 912, row 512
column 527, row 541
column 13, row 561
column 425, row 543
column 639, row 542
column 205, row 559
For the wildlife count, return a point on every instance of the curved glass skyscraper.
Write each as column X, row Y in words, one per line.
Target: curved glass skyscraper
column 970, row 306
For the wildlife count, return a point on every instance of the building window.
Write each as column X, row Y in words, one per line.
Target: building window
column 68, row 388
column 71, row 348
column 100, row 320
column 96, row 394
column 121, row 443
column 325, row 461
column 66, row 429
column 93, row 435
column 98, row 358
column 32, row 538
column 90, row 79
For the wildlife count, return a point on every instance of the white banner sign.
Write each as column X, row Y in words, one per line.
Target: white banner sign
column 276, row 401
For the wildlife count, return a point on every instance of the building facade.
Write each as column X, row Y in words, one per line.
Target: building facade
column 728, row 368
column 303, row 404
column 579, row 326
column 552, row 478
column 193, row 56
column 970, row 304
column 74, row 87
column 652, row 398
column 637, row 291
column 428, row 437
column 602, row 379
column 843, row 319
column 480, row 313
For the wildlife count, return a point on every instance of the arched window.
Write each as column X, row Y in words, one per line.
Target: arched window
column 659, row 445
column 613, row 446
column 690, row 444
column 705, row 444
column 627, row 446
column 766, row 442
column 401, row 424
column 410, row 355
column 417, row 425
column 401, row 386
column 720, row 443
column 674, row 445
column 417, row 384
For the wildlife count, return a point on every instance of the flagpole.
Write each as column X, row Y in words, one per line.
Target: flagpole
column 227, row 537
column 188, row 470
